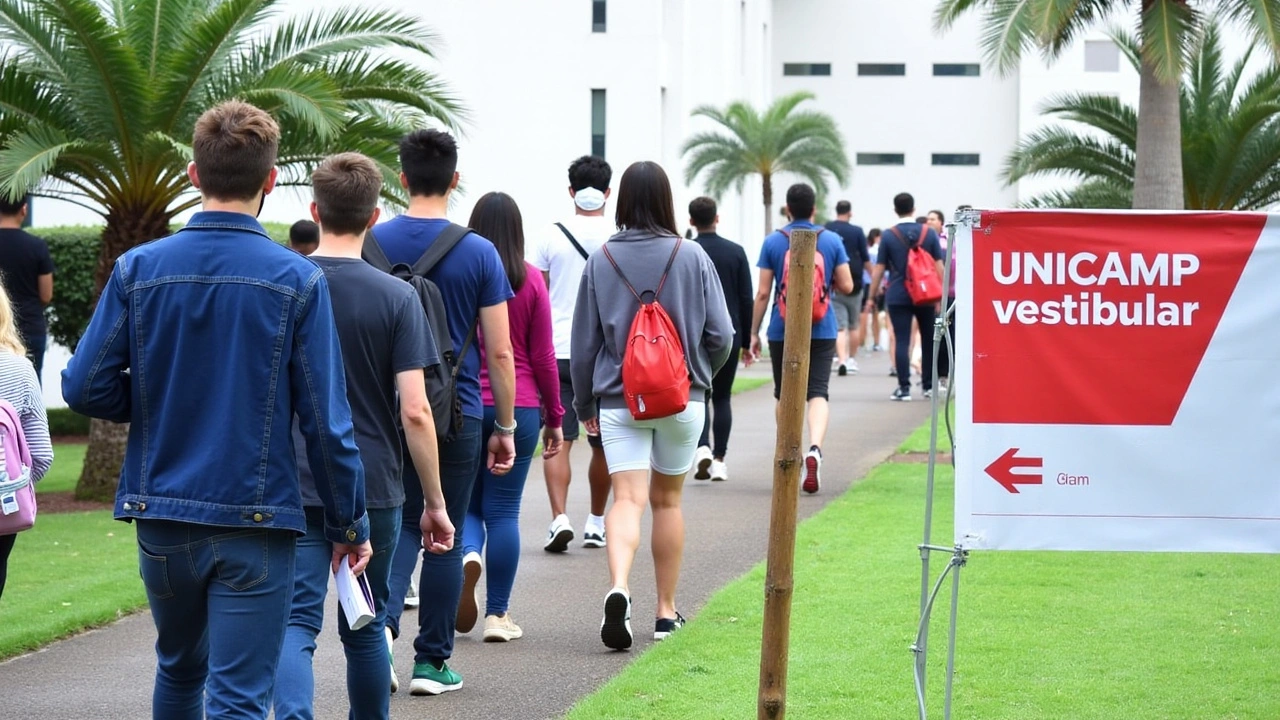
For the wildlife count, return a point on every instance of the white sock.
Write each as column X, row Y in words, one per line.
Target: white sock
column 595, row 521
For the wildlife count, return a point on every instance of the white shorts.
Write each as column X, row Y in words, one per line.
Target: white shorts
column 666, row 445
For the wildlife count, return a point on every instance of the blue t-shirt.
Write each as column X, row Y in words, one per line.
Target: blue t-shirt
column 470, row 277
column 773, row 256
column 893, row 255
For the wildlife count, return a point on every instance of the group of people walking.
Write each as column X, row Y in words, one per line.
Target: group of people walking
column 378, row 403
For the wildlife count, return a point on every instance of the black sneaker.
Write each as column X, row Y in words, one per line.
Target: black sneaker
column 842, row 370
column 615, row 629
column 901, row 395
column 665, row 626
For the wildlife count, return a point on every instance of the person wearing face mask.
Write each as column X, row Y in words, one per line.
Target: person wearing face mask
column 560, row 252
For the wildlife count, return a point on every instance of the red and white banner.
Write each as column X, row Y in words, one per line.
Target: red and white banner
column 1117, row 383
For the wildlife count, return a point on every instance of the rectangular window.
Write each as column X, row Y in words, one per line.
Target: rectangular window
column 957, row 69
column 881, row 69
column 598, row 15
column 955, row 159
column 806, row 69
column 597, row 122
column 882, row 159
column 1101, row 56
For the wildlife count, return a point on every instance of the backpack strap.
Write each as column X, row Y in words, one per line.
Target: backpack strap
column 662, row 282
column 373, row 254
column 444, row 242
column 573, row 241
column 466, row 345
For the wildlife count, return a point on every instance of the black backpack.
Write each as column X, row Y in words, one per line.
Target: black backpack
column 442, row 379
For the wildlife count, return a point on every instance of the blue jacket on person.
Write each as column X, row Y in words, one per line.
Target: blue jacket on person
column 208, row 342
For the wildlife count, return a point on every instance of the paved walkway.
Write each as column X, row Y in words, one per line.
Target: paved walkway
column 558, row 599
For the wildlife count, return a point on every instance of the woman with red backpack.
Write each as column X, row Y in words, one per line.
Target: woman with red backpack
column 20, row 398
column 650, row 331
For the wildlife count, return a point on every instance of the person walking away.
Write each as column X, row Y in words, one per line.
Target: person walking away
column 475, row 289
column 734, row 271
column 19, row 388
column 386, row 345
column 937, row 222
column 26, row 269
column 304, row 237
column 561, row 254
column 648, row 456
column 836, row 275
column 895, row 247
column 871, row 320
column 492, row 529
column 848, row 307
column 209, row 479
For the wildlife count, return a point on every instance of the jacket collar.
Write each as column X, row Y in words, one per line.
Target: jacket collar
column 220, row 220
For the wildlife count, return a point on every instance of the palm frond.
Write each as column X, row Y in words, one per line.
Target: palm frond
column 1166, row 27
column 1008, row 31
column 27, row 158
column 1091, row 195
column 1260, row 16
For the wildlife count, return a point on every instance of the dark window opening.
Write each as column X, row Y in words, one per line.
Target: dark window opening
column 881, row 69
column 882, row 159
column 957, row 69
column 598, row 15
column 597, row 122
column 806, row 69
column 955, row 159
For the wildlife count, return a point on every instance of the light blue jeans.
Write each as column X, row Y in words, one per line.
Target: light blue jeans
column 368, row 667
column 237, row 582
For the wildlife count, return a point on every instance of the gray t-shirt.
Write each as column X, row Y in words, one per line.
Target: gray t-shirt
column 383, row 331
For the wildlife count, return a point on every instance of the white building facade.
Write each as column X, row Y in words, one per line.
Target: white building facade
column 545, row 82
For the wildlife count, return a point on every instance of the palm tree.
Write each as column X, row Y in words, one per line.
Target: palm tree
column 1230, row 137
column 781, row 140
column 1166, row 29
column 98, row 99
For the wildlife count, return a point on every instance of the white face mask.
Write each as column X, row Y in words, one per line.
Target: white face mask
column 589, row 199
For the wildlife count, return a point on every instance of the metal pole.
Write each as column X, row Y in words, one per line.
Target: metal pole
column 959, row 560
column 778, row 587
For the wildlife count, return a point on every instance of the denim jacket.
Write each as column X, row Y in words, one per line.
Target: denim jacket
column 208, row 342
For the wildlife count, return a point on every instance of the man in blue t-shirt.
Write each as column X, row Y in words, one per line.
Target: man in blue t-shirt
column 474, row 285
column 849, row 307
column 895, row 243
column 801, row 203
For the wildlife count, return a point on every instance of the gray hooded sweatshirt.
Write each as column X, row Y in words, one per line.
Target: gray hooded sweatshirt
column 602, row 319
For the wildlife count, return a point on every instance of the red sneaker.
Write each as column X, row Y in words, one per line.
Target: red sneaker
column 812, row 471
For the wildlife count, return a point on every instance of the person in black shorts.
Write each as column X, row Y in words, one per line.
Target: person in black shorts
column 800, row 206
column 734, row 271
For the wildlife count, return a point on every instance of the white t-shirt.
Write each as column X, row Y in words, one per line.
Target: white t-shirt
column 554, row 254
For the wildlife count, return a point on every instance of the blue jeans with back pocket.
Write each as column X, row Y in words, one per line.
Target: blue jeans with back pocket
column 220, row 599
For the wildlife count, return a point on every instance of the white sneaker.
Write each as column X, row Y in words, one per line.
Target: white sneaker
column 391, row 658
column 593, row 535
column 615, row 629
column 702, row 463
column 468, row 605
column 559, row 535
column 851, row 366
column 411, row 597
column 719, row 472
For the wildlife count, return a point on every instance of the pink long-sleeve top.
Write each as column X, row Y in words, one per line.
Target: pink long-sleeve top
column 537, row 376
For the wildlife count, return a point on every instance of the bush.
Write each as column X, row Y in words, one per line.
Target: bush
column 75, row 258
column 64, row 422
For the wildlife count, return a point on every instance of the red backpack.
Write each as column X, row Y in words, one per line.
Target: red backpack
column 923, row 284
column 655, row 377
column 821, row 293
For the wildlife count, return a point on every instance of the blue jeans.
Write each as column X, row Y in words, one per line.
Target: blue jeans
column 368, row 672
column 237, row 582
column 495, row 511
column 440, row 583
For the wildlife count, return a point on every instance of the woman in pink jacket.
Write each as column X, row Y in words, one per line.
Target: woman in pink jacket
column 492, row 524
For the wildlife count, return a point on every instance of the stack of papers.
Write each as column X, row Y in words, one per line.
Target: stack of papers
column 355, row 597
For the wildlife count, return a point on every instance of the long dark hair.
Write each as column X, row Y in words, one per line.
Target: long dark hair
column 497, row 217
column 644, row 200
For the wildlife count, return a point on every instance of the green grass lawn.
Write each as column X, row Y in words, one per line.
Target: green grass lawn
column 70, row 572
column 744, row 384
column 918, row 441
column 67, row 462
column 1061, row 636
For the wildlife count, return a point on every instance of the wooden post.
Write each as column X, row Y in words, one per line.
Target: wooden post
column 788, row 456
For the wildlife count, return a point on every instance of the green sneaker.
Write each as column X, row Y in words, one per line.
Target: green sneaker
column 427, row 680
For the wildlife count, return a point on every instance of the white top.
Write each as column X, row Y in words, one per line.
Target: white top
column 19, row 386
column 552, row 253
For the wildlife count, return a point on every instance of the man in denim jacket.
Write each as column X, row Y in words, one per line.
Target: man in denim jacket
column 209, row 342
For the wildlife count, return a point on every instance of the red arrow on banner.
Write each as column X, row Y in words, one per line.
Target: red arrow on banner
column 1002, row 470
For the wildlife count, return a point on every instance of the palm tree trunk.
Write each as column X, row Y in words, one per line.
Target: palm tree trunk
column 105, row 454
column 1158, row 180
column 766, row 183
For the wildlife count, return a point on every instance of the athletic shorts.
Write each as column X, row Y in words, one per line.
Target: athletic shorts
column 665, row 445
column 571, row 424
column 848, row 309
column 820, row 354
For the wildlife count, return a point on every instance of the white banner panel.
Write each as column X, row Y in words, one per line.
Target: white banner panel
column 1117, row 382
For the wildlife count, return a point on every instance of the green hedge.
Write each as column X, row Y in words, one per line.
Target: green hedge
column 64, row 422
column 75, row 250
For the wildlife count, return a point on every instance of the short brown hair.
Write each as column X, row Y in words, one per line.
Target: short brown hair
column 234, row 146
column 346, row 188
